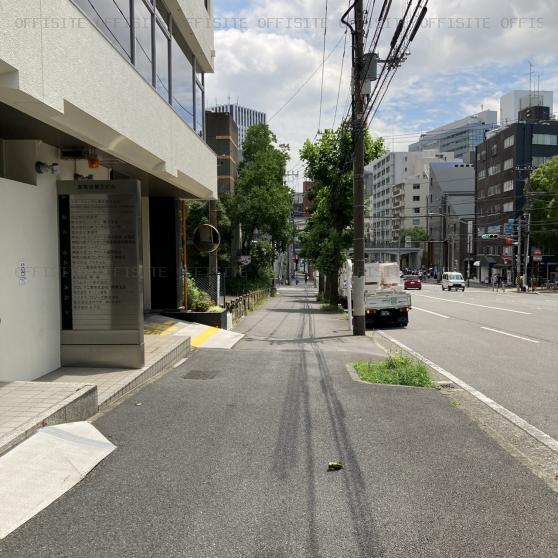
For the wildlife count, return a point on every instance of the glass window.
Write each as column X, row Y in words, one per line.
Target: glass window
column 508, row 164
column 508, row 206
column 143, row 22
column 545, row 139
column 416, row 210
column 494, row 169
column 538, row 161
column 416, row 186
column 162, row 65
column 416, row 198
column 112, row 17
column 509, row 141
column 182, row 82
column 199, row 110
column 508, row 185
column 482, row 174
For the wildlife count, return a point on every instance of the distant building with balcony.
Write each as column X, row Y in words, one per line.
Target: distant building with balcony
column 397, row 190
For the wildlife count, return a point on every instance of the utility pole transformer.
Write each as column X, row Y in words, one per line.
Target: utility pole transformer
column 358, row 127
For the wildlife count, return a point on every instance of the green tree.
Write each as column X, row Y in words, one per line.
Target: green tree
column 544, row 188
column 416, row 233
column 329, row 230
column 262, row 203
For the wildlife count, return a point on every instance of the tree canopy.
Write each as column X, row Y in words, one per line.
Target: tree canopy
column 262, row 202
column 544, row 217
column 329, row 230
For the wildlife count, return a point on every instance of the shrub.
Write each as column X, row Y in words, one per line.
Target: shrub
column 198, row 300
column 395, row 369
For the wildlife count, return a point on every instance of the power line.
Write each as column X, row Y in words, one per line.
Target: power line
column 340, row 79
column 305, row 83
column 323, row 70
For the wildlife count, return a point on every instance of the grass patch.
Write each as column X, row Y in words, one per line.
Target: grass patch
column 333, row 308
column 395, row 369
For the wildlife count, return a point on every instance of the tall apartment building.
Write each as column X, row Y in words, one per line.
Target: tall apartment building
column 504, row 162
column 459, row 137
column 101, row 136
column 244, row 118
column 393, row 181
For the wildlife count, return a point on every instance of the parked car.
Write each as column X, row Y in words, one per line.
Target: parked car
column 453, row 280
column 412, row 282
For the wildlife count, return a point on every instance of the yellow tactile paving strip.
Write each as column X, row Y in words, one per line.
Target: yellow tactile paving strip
column 200, row 339
column 160, row 328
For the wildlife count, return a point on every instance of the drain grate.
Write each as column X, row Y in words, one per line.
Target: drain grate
column 200, row 375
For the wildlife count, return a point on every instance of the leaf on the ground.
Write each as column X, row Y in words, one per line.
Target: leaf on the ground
column 334, row 466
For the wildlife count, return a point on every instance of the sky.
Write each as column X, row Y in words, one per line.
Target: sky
column 466, row 55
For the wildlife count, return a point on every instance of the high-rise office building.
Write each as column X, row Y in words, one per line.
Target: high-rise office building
column 459, row 137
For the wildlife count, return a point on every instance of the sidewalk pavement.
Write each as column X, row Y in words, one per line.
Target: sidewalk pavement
column 231, row 452
column 73, row 393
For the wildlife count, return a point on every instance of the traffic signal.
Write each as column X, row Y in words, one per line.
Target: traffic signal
column 490, row 236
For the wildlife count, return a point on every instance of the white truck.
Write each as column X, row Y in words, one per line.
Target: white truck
column 385, row 301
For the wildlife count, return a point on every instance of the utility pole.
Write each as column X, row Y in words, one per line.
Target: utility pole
column 519, row 235
column 359, row 320
column 213, row 220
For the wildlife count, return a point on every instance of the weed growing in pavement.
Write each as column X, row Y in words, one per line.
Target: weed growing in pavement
column 395, row 369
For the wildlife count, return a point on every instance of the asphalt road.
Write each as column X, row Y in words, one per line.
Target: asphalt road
column 504, row 345
column 227, row 457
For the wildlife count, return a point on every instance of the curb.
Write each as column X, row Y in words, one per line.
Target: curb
column 79, row 406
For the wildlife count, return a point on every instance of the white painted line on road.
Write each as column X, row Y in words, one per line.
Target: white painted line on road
column 430, row 312
column 510, row 334
column 533, row 431
column 479, row 305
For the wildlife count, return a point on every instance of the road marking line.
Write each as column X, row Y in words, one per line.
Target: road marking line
column 479, row 305
column 202, row 337
column 430, row 312
column 533, row 431
column 510, row 334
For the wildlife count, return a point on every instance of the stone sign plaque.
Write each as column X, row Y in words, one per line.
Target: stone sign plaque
column 101, row 273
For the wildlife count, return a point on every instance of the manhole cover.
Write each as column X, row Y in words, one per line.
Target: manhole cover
column 200, row 375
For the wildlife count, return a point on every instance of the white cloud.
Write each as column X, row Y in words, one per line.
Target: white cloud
column 466, row 54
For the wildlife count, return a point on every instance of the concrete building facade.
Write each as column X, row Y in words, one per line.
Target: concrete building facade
column 504, row 162
column 103, row 99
